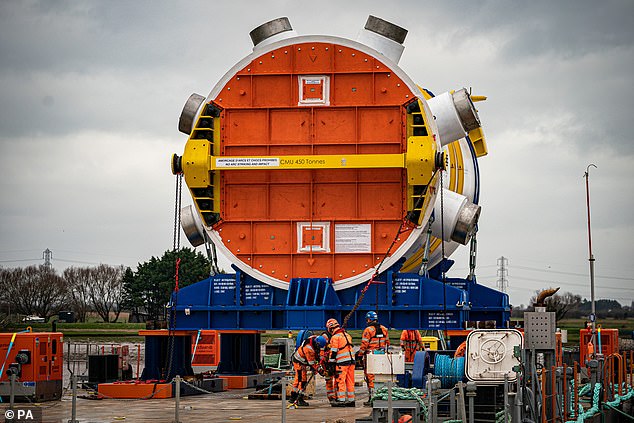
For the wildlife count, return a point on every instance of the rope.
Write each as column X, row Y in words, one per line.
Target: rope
column 592, row 410
column 449, row 370
column 400, row 230
column 499, row 416
column 403, row 394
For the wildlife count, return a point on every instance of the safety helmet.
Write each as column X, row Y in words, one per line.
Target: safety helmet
column 371, row 315
column 321, row 341
column 331, row 324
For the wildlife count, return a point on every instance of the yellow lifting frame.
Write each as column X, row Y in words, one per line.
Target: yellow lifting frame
column 201, row 162
column 325, row 161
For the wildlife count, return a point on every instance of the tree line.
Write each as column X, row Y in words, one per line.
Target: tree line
column 104, row 289
column 572, row 305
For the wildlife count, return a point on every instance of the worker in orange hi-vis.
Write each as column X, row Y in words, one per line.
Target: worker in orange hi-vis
column 342, row 357
column 462, row 349
column 411, row 341
column 306, row 357
column 374, row 338
column 329, row 370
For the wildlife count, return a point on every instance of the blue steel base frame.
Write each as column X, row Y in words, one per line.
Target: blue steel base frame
column 405, row 301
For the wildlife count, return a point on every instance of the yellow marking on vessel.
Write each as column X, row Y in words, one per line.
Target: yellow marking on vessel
column 326, row 161
column 459, row 169
column 452, row 166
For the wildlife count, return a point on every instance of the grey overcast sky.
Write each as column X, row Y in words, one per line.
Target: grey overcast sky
column 91, row 92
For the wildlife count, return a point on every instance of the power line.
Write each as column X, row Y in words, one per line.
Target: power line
column 95, row 254
column 572, row 273
column 77, row 261
column 14, row 261
column 53, row 260
column 571, row 283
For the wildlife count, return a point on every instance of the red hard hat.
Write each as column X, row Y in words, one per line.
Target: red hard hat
column 331, row 324
column 405, row 418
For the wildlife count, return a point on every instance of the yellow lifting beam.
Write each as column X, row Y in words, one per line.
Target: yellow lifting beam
column 326, row 161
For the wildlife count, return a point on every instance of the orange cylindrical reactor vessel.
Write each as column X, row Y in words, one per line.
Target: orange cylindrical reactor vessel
column 313, row 157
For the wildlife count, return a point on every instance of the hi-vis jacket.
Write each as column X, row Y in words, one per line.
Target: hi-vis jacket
column 306, row 355
column 411, row 339
column 373, row 339
column 341, row 348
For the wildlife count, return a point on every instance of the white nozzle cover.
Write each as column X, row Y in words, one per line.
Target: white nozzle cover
column 459, row 216
column 384, row 37
column 454, row 115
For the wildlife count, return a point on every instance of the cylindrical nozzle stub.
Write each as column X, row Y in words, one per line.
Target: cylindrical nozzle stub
column 384, row 37
column 386, row 29
column 186, row 119
column 467, row 219
column 270, row 29
column 466, row 110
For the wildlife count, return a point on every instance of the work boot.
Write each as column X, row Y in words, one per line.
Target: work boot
column 350, row 404
column 368, row 403
column 301, row 402
column 293, row 397
column 338, row 404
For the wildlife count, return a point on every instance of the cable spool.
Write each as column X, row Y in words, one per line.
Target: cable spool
column 449, row 370
column 420, row 369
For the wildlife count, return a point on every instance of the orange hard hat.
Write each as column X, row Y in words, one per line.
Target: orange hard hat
column 405, row 418
column 331, row 324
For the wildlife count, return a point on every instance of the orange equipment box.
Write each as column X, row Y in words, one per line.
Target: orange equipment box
column 609, row 342
column 37, row 359
column 235, row 382
column 135, row 390
column 206, row 352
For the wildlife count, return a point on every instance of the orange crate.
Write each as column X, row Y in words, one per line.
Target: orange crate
column 135, row 390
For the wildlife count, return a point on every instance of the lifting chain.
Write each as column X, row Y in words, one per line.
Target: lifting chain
column 473, row 253
column 177, row 211
column 405, row 220
column 171, row 309
column 424, row 268
column 442, row 250
column 212, row 256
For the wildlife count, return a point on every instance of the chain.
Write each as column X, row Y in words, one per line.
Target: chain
column 442, row 249
column 171, row 315
column 162, row 388
column 177, row 209
column 170, row 335
column 404, row 220
column 473, row 252
column 198, row 388
column 424, row 268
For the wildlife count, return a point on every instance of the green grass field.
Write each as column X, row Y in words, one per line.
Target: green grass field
column 113, row 330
